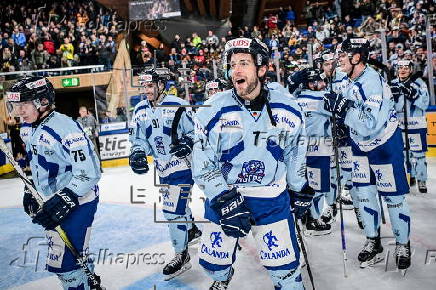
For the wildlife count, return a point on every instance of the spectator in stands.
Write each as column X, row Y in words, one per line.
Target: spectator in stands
column 212, row 40
column 39, row 57
column 67, row 50
column 19, row 37
column 177, row 43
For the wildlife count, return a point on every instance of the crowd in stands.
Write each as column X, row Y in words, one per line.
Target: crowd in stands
column 52, row 34
column 404, row 23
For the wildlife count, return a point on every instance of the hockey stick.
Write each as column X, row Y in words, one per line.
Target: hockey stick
column 303, row 249
column 338, row 178
column 382, row 211
column 93, row 279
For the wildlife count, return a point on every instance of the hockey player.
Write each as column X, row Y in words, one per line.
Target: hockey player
column 65, row 169
column 161, row 128
column 214, row 87
column 367, row 108
column 335, row 80
column 414, row 92
column 248, row 150
column 319, row 150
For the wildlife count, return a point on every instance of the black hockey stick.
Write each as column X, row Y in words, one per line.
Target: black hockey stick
column 338, row 178
column 303, row 249
column 93, row 279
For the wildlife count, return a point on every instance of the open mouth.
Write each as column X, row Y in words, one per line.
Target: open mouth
column 240, row 81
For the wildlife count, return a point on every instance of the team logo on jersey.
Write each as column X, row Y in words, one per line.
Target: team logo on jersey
column 343, row 155
column 159, row 145
column 269, row 239
column 379, row 175
column 216, row 239
column 310, row 173
column 253, row 170
column 393, row 116
column 356, row 166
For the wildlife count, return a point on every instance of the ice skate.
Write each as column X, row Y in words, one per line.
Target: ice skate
column 316, row 227
column 412, row 181
column 178, row 265
column 371, row 252
column 402, row 257
column 346, row 201
column 329, row 215
column 222, row 285
column 422, row 186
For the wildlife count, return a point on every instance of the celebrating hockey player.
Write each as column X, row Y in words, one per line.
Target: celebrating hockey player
column 367, row 108
column 334, row 79
column 319, row 151
column 163, row 129
column 249, row 150
column 65, row 169
column 411, row 101
column 214, row 87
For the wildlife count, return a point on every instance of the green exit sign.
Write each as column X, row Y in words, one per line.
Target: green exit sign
column 70, row 82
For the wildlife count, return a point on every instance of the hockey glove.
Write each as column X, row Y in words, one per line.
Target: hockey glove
column 235, row 217
column 55, row 210
column 183, row 147
column 396, row 92
column 30, row 204
column 411, row 93
column 138, row 162
column 296, row 79
column 336, row 104
column 301, row 201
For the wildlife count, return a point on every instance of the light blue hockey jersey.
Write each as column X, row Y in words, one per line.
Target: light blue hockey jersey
column 373, row 119
column 415, row 109
column 236, row 147
column 316, row 117
column 150, row 131
column 61, row 155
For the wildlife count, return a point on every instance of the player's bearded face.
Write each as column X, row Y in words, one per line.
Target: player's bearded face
column 244, row 74
column 150, row 90
column 403, row 72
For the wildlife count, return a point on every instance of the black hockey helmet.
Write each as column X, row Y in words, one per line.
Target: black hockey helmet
column 148, row 75
column 39, row 90
column 213, row 86
column 355, row 45
column 253, row 46
column 313, row 75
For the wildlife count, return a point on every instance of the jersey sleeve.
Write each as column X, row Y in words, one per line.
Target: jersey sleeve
column 80, row 153
column 295, row 159
column 205, row 169
column 187, row 123
column 423, row 99
column 367, row 115
column 139, row 131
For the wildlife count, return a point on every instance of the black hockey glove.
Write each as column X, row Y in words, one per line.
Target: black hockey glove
column 301, row 201
column 30, row 203
column 235, row 217
column 183, row 147
column 336, row 104
column 411, row 93
column 396, row 91
column 296, row 79
column 55, row 210
column 138, row 162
